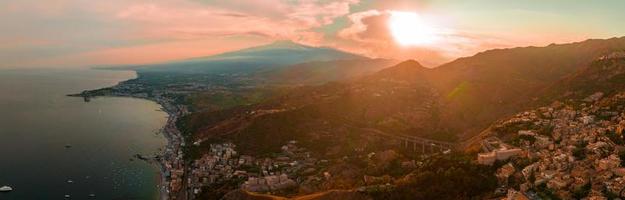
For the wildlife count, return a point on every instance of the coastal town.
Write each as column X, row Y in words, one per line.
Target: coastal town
column 187, row 179
column 570, row 150
column 564, row 150
column 312, row 100
column 171, row 160
column 223, row 164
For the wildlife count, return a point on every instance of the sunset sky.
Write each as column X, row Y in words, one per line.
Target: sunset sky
column 78, row 33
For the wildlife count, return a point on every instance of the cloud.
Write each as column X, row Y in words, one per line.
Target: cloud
column 275, row 19
column 84, row 27
column 366, row 26
column 368, row 33
column 85, row 32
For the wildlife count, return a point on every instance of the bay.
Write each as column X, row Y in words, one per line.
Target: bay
column 38, row 120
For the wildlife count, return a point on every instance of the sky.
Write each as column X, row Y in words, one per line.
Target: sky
column 85, row 33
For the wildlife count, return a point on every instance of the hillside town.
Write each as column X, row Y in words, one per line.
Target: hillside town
column 567, row 150
column 275, row 173
column 291, row 171
column 570, row 150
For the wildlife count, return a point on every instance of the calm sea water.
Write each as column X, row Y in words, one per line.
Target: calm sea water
column 37, row 120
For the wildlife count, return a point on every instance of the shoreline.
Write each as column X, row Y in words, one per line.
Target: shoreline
column 172, row 136
column 162, row 183
column 169, row 161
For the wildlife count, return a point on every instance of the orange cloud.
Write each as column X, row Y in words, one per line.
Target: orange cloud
column 70, row 32
column 105, row 27
column 369, row 34
column 192, row 20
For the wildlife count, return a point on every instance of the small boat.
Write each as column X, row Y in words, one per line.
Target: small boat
column 91, row 195
column 67, row 146
column 6, row 189
column 67, row 196
column 70, row 181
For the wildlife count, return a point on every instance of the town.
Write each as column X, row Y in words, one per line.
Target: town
column 571, row 150
column 222, row 164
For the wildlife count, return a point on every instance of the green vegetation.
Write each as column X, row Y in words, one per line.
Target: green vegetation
column 621, row 155
column 251, row 169
column 529, row 138
column 218, row 190
column 443, row 177
column 546, row 130
column 459, row 90
column 545, row 193
column 443, row 135
column 532, row 177
column 610, row 195
column 512, row 128
column 522, row 162
column 616, row 138
column 580, row 151
column 211, row 101
column 618, row 79
column 582, row 192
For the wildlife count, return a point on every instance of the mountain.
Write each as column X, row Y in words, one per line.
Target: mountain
column 352, row 121
column 479, row 89
column 254, row 59
column 453, row 101
column 331, row 116
column 606, row 74
column 242, row 77
column 579, row 125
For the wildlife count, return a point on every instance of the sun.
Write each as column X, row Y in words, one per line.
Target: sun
column 409, row 29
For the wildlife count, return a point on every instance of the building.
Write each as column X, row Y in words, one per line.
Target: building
column 496, row 150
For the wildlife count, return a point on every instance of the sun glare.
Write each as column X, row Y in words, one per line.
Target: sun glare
column 409, row 29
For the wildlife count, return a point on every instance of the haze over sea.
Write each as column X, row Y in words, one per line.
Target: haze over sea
column 37, row 121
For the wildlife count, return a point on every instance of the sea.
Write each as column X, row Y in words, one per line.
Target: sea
column 52, row 145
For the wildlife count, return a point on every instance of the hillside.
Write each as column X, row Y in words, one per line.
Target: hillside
column 455, row 100
column 606, row 74
column 344, row 121
column 572, row 149
column 318, row 72
column 479, row 89
column 330, row 114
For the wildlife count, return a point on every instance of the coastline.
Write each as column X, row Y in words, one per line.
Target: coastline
column 95, row 144
column 171, row 151
column 162, row 183
column 169, row 161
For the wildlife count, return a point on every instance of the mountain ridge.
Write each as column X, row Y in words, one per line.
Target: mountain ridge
column 254, row 59
column 459, row 98
column 279, row 44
